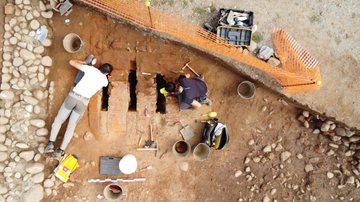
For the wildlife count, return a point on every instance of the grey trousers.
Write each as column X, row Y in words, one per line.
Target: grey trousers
column 73, row 106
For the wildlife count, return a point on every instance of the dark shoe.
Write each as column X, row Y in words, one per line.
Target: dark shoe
column 206, row 101
column 57, row 154
column 49, row 148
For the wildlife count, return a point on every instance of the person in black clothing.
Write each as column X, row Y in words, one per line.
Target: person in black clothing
column 192, row 92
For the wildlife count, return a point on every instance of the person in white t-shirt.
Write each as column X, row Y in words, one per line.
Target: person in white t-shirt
column 76, row 103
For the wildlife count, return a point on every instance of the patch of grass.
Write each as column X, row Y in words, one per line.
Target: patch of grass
column 185, row 3
column 200, row 11
column 314, row 19
column 212, row 8
column 337, row 40
column 257, row 37
column 353, row 15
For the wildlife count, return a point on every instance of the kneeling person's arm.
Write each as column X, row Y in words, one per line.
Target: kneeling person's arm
column 195, row 104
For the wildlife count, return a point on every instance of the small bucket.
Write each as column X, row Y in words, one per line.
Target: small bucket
column 113, row 192
column 181, row 148
column 246, row 90
column 201, row 152
column 72, row 43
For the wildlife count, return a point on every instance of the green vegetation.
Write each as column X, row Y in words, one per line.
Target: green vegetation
column 212, row 8
column 314, row 19
column 353, row 15
column 337, row 40
column 257, row 37
column 199, row 11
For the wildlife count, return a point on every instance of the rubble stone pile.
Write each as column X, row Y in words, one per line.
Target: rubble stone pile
column 25, row 96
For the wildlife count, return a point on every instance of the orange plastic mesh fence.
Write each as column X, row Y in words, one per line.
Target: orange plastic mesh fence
column 299, row 71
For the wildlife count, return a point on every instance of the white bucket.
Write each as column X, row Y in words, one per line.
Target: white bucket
column 72, row 43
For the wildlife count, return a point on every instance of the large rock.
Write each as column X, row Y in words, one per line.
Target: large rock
column 39, row 49
column 46, row 61
column 3, row 189
column 37, row 123
column 47, row 14
column 27, row 155
column 48, row 183
column 31, row 100
column 7, row 95
column 34, row 194
column 34, row 168
column 42, row 132
column 285, row 155
column 3, row 148
column 27, row 55
column 34, row 24
column 18, row 61
column 3, row 156
column 38, row 178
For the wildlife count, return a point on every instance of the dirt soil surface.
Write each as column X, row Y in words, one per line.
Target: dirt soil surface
column 328, row 29
column 265, row 120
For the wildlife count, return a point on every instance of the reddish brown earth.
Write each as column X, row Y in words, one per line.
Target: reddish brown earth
column 211, row 180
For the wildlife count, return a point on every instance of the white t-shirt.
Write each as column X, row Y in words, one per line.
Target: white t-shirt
column 92, row 81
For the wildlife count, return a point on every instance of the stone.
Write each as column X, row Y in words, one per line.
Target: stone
column 18, row 61
column 238, row 173
column 46, row 43
column 39, row 49
column 37, row 109
column 350, row 180
column 306, row 114
column 37, row 123
column 42, row 132
column 37, row 157
column 306, row 124
column 309, row 167
column 13, row 40
column 3, row 156
column 7, row 95
column 29, row 16
column 279, row 147
column 267, row 149
column 34, row 194
column 38, row 94
column 27, row 155
column 285, row 155
column 354, row 138
column 31, row 100
column 252, row 47
column 9, row 9
column 325, row 127
column 3, row 120
column 251, row 142
column 3, row 189
column 18, row 2
column 3, row 148
column 273, row 191
column 316, row 131
column 34, row 24
column 46, row 61
column 27, row 55
column 22, row 145
column 266, row 199
column 299, row 156
column 330, row 175
column 17, row 175
column 256, row 159
column 184, row 166
column 334, row 145
column 273, row 61
column 34, row 168
column 42, row 6
column 48, row 183
column 47, row 14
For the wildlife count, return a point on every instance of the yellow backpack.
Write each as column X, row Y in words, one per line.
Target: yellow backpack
column 68, row 164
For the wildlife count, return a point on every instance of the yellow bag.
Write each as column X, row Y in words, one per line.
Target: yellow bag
column 68, row 164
